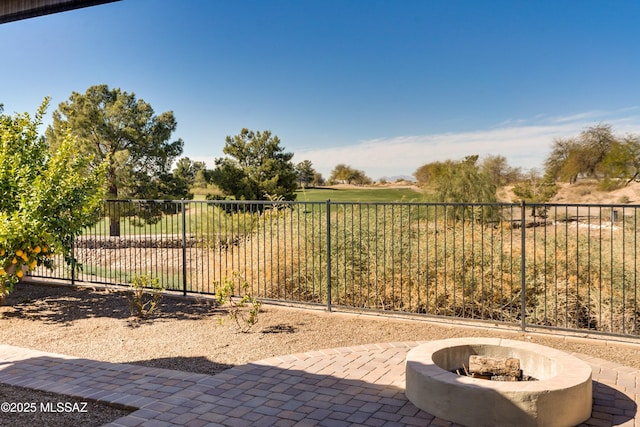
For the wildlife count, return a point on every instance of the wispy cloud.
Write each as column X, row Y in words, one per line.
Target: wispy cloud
column 596, row 115
column 524, row 145
column 578, row 117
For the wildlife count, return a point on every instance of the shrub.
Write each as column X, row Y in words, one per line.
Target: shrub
column 623, row 200
column 418, row 258
column 144, row 296
column 609, row 184
column 245, row 310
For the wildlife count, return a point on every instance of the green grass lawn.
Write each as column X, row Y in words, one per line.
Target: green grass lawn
column 341, row 194
column 360, row 195
column 197, row 213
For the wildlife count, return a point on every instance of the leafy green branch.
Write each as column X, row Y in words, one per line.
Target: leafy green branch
column 145, row 294
column 243, row 309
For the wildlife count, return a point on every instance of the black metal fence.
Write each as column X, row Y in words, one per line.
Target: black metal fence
column 553, row 266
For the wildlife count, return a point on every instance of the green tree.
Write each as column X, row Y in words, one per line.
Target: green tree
column 597, row 141
column 168, row 186
column 257, row 168
column 425, row 173
column 202, row 178
column 193, row 173
column 359, row 178
column 47, row 197
column 498, row 170
column 305, row 172
column 556, row 162
column 536, row 188
column 622, row 162
column 318, row 179
column 463, row 181
column 631, row 147
column 460, row 181
column 184, row 176
column 583, row 155
column 113, row 125
column 185, row 170
column 348, row 175
column 341, row 173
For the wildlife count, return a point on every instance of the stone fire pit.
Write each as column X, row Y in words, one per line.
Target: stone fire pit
column 561, row 395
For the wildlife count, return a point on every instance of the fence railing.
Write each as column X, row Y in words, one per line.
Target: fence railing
column 553, row 266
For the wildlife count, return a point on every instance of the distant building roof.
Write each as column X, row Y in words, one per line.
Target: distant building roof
column 14, row 10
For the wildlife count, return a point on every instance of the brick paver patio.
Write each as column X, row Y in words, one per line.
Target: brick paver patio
column 361, row 385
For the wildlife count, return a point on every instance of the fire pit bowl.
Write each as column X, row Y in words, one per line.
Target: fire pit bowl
column 560, row 395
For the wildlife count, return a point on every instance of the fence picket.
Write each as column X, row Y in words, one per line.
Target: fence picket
column 559, row 266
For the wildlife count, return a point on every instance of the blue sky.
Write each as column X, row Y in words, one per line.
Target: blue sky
column 383, row 86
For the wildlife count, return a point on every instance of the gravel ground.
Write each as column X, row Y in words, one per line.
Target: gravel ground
column 194, row 335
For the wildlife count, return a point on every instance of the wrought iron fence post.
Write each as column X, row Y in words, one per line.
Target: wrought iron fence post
column 328, row 254
column 184, row 248
column 523, row 264
column 73, row 257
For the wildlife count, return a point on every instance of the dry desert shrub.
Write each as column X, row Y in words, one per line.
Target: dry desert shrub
column 411, row 258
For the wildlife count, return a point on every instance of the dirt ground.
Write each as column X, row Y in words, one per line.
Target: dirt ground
column 584, row 192
column 197, row 336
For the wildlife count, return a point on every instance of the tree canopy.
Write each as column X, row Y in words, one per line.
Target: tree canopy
column 493, row 168
column 305, row 172
column 428, row 172
column 256, row 168
column 113, row 125
column 535, row 188
column 595, row 153
column 348, row 175
column 498, row 170
column 457, row 181
column 186, row 174
column 187, row 170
